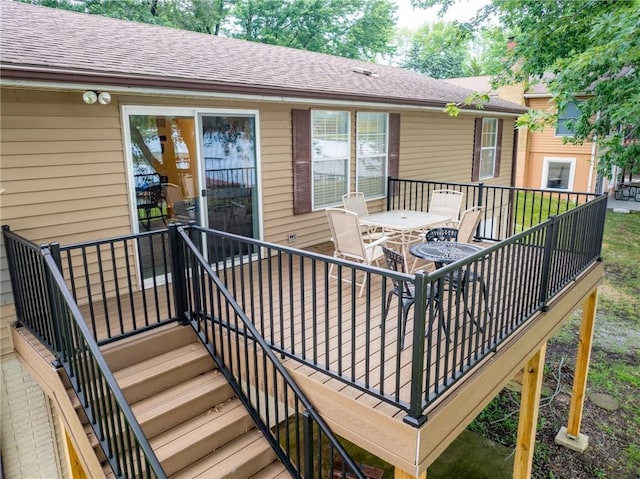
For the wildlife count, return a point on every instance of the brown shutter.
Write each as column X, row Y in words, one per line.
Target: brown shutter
column 394, row 145
column 477, row 143
column 301, row 132
column 496, row 171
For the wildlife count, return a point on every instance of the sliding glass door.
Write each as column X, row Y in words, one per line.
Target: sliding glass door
column 230, row 178
column 188, row 165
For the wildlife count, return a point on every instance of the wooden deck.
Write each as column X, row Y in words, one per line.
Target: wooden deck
column 300, row 313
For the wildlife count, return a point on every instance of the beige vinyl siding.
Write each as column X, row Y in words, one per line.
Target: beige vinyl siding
column 63, row 172
column 435, row 146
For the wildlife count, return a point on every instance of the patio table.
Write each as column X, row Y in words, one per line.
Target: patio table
column 403, row 224
column 627, row 191
column 443, row 252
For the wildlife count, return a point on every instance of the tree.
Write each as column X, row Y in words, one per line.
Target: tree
column 489, row 48
column 580, row 49
column 205, row 16
column 440, row 50
column 359, row 29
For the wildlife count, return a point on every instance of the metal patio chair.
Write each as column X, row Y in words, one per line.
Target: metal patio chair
column 406, row 292
column 150, row 204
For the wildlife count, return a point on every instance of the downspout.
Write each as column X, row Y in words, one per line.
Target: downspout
column 592, row 161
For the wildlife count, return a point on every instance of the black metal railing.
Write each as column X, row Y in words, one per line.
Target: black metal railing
column 507, row 210
column 299, row 436
column 46, row 307
column 29, row 286
column 122, row 283
column 489, row 295
column 307, row 306
column 125, row 446
column 229, row 177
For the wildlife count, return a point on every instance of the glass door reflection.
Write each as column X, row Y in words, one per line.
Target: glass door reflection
column 230, row 176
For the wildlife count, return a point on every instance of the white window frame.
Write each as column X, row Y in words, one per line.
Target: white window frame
column 347, row 159
column 385, row 167
column 544, row 179
column 488, row 148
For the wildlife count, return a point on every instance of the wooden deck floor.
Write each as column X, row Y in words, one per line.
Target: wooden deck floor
column 323, row 323
column 326, row 327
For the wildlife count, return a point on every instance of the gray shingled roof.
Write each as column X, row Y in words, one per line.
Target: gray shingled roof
column 40, row 43
column 477, row 83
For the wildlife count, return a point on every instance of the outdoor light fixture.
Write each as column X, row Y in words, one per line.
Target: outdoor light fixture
column 104, row 98
column 90, row 97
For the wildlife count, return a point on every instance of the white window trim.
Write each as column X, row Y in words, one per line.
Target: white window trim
column 348, row 169
column 544, row 179
column 484, row 148
column 385, row 173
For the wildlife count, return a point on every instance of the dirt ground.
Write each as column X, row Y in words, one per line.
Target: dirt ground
column 614, row 433
column 614, row 436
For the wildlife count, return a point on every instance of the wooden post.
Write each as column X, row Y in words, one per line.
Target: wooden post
column 529, row 406
column 570, row 436
column 400, row 474
column 75, row 467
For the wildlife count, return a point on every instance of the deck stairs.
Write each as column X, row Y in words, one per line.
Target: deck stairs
column 186, row 408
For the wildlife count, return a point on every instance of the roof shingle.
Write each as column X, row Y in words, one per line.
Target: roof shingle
column 57, row 45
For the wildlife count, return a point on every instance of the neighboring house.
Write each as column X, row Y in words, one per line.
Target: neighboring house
column 545, row 161
column 257, row 139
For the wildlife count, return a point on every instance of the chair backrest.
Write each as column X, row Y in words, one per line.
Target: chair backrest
column 176, row 202
column 395, row 262
column 469, row 223
column 446, row 203
column 172, row 193
column 441, row 234
column 346, row 233
column 355, row 202
column 187, row 185
column 155, row 194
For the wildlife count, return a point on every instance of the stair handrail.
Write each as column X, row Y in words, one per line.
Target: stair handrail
column 29, row 289
column 250, row 332
column 101, row 397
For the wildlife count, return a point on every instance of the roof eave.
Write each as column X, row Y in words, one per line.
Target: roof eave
column 35, row 73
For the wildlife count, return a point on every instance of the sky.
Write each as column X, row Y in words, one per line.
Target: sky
column 411, row 18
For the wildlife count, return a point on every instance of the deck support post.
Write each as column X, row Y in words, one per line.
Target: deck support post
column 74, row 464
column 528, row 419
column 570, row 436
column 400, row 474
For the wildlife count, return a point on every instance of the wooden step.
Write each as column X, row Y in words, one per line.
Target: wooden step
column 275, row 470
column 202, row 435
column 239, row 459
column 147, row 345
column 180, row 403
column 164, row 371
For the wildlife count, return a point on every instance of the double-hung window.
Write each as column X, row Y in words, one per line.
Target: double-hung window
column 488, row 148
column 372, row 147
column 330, row 148
column 566, row 119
